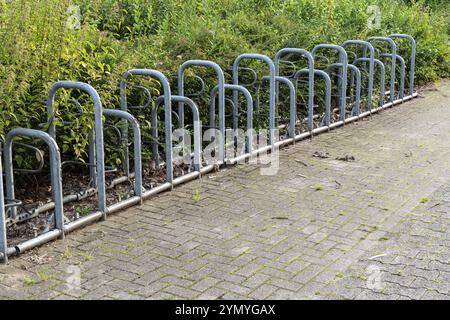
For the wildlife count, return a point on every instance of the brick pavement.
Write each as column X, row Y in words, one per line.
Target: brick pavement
column 322, row 228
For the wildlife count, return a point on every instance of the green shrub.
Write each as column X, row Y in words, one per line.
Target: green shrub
column 38, row 47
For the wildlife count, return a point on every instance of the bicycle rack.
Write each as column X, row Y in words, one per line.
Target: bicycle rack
column 413, row 58
column 342, row 80
column 137, row 146
column 55, row 168
column 167, row 118
column 401, row 91
column 310, row 59
column 196, row 123
column 8, row 205
column 248, row 97
column 382, row 77
column 353, row 69
column 292, row 101
column 393, row 56
column 272, row 73
column 96, row 147
column 221, row 89
column 367, row 46
column 326, row 120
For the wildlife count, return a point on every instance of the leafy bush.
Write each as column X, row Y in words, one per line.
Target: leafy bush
column 40, row 46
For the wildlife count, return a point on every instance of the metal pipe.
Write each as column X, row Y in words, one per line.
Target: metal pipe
column 292, row 101
column 401, row 91
column 196, row 120
column 272, row 73
column 327, row 80
column 366, row 46
column 39, row 240
column 97, row 153
column 3, row 240
column 356, row 71
column 248, row 97
column 343, row 74
column 310, row 59
column 393, row 58
column 382, row 77
column 55, row 168
column 167, row 114
column 137, row 146
column 413, row 58
column 221, row 84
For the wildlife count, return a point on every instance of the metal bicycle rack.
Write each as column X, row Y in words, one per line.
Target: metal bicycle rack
column 221, row 90
column 55, row 167
column 196, row 124
column 413, row 57
column 96, row 147
column 342, row 79
column 272, row 75
column 167, row 117
column 367, row 46
column 249, row 99
column 326, row 119
column 393, row 56
column 310, row 59
column 364, row 68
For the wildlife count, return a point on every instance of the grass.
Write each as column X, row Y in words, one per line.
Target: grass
column 43, row 275
column 83, row 211
column 317, row 186
column 196, row 196
column 424, row 200
column 29, row 281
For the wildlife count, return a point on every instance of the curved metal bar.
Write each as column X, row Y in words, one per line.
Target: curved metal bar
column 310, row 59
column 343, row 80
column 221, row 83
column 382, row 76
column 290, row 63
column 351, row 53
column 199, row 92
column 41, row 159
column 149, row 101
column 272, row 74
column 357, row 72
column 137, row 146
column 55, row 167
column 167, row 115
column 393, row 64
column 196, row 121
column 292, row 102
column 327, row 80
column 96, row 147
column 248, row 97
column 255, row 77
column 413, row 58
column 401, row 90
column 367, row 46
